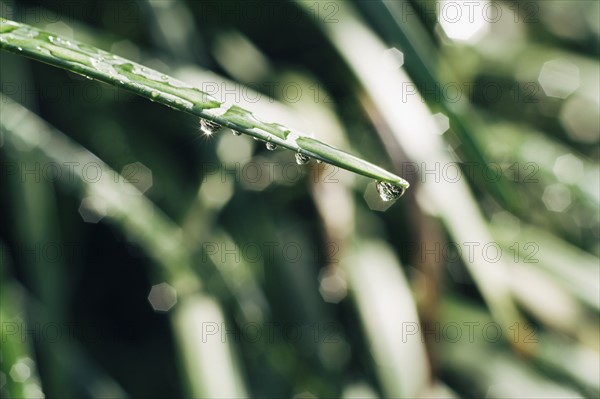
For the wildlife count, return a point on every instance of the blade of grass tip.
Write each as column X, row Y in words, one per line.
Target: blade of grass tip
column 94, row 63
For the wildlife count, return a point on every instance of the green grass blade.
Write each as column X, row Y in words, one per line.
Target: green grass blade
column 97, row 64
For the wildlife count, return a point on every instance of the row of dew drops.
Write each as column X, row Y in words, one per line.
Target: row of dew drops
column 387, row 191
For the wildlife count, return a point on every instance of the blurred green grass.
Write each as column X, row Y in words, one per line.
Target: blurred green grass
column 299, row 282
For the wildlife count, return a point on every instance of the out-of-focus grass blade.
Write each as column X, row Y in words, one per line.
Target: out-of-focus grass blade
column 573, row 269
column 389, row 317
column 414, row 129
column 137, row 216
column 398, row 22
column 200, row 326
column 505, row 375
column 17, row 363
column 94, row 63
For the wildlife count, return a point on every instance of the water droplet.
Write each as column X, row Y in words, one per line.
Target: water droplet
column 154, row 94
column 208, row 127
column 38, row 48
column 388, row 191
column 164, row 77
column 121, row 82
column 20, row 48
column 271, row 146
column 256, row 138
column 88, row 77
column 302, row 159
column 319, row 161
column 236, row 133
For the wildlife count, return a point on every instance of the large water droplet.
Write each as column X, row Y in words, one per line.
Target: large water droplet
column 388, row 191
column 236, row 133
column 270, row 146
column 154, row 94
column 208, row 127
column 20, row 48
column 302, row 159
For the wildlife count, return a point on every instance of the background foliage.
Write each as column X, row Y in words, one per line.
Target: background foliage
column 482, row 281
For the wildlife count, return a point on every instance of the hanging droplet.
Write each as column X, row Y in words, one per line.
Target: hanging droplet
column 256, row 138
column 236, row 133
column 319, row 161
column 388, row 191
column 270, row 146
column 302, row 159
column 208, row 127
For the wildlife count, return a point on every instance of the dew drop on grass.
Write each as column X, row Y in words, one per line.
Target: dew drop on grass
column 302, row 159
column 388, row 191
column 154, row 94
column 208, row 127
column 271, row 146
column 236, row 133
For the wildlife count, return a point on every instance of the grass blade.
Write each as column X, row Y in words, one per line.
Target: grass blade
column 97, row 64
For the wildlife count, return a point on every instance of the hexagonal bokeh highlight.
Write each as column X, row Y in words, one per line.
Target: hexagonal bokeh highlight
column 162, row 297
column 568, row 168
column 581, row 119
column 139, row 175
column 557, row 197
column 21, row 370
column 559, row 78
column 332, row 285
column 392, row 59
column 459, row 23
column 442, row 122
column 92, row 209
column 373, row 199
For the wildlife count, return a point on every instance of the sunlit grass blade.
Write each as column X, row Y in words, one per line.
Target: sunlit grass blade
column 97, row 64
